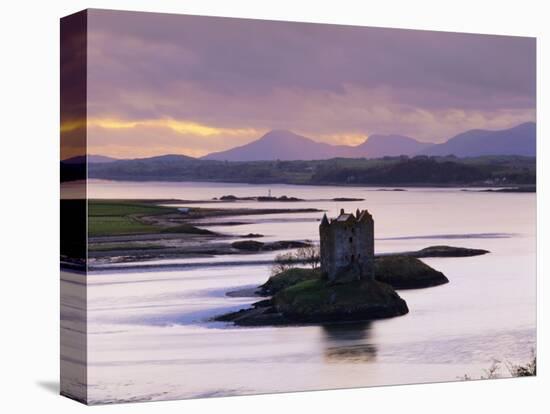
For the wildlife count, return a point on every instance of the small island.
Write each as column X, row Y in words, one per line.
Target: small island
column 445, row 251
column 283, row 198
column 517, row 189
column 351, row 284
column 303, row 295
column 313, row 299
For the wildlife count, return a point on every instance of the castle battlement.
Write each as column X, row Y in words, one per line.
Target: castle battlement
column 347, row 245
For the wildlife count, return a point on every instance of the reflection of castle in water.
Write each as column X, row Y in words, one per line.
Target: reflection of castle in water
column 348, row 342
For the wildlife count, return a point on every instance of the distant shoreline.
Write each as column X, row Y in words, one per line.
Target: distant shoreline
column 428, row 252
column 382, row 187
column 421, row 171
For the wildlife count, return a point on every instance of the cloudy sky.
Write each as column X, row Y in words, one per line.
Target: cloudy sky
column 191, row 85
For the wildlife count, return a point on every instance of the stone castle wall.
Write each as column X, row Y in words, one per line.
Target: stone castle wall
column 348, row 246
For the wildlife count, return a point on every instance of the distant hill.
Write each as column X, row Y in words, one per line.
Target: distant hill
column 282, row 145
column 418, row 170
column 163, row 159
column 285, row 157
column 74, row 168
column 160, row 167
column 100, row 158
column 519, row 140
column 389, row 145
column 81, row 159
column 287, row 146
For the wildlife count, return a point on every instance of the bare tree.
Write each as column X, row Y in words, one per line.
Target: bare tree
column 310, row 255
column 283, row 261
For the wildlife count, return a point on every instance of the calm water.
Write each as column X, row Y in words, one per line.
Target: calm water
column 149, row 335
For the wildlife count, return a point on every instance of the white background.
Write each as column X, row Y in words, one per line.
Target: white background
column 29, row 238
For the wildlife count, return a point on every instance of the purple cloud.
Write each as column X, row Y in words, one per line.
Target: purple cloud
column 323, row 80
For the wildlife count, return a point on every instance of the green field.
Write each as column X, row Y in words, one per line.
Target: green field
column 109, row 218
column 99, row 208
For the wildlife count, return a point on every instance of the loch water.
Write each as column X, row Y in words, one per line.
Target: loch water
column 149, row 334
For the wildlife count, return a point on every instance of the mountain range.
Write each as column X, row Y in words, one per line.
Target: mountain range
column 287, row 146
column 282, row 145
column 519, row 140
column 377, row 146
column 92, row 159
column 480, row 157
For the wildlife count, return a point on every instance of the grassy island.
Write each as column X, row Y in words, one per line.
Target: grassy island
column 400, row 272
column 300, row 295
column 316, row 300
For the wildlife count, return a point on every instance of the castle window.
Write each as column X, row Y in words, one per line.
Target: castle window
column 351, row 239
column 352, row 257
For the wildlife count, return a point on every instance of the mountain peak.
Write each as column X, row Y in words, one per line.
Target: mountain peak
column 282, row 134
column 277, row 132
column 518, row 140
column 282, row 144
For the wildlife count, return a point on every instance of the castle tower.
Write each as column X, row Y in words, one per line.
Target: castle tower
column 347, row 245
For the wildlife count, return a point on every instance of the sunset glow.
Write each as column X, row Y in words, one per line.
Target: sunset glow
column 204, row 84
column 181, row 127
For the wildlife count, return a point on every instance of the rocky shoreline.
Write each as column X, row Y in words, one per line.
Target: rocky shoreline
column 407, row 272
column 165, row 232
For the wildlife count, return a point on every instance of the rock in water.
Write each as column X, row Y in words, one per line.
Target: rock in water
column 256, row 246
column 448, row 251
column 406, row 272
column 248, row 245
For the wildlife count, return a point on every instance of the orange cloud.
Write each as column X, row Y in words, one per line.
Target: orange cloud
column 72, row 125
column 343, row 138
column 140, row 138
column 179, row 126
